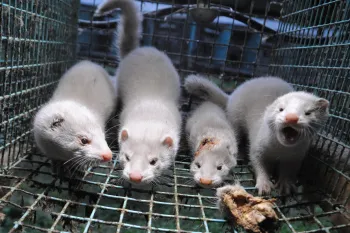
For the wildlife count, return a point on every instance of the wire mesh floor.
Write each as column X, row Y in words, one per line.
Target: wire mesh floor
column 99, row 202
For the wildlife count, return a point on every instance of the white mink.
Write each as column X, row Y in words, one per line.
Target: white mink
column 70, row 127
column 210, row 166
column 279, row 123
column 149, row 87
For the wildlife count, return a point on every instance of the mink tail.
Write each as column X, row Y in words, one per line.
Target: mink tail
column 130, row 26
column 205, row 89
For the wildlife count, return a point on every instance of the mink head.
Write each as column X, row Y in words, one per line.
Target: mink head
column 145, row 154
column 211, row 167
column 68, row 131
column 297, row 116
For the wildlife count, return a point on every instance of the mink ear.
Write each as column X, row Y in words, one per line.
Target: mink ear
column 57, row 121
column 124, row 135
column 322, row 103
column 168, row 141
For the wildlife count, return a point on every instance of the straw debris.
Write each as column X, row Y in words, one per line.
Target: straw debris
column 252, row 213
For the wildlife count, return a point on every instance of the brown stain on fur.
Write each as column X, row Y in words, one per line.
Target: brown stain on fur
column 206, row 144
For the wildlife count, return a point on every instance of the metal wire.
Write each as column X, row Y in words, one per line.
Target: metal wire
column 307, row 45
column 103, row 204
column 36, row 40
column 312, row 53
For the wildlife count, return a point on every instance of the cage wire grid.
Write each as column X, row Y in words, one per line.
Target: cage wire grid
column 307, row 45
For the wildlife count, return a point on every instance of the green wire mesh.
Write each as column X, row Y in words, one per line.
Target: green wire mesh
column 37, row 45
column 309, row 48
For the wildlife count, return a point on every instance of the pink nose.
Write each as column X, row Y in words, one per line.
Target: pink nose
column 107, row 156
column 205, row 181
column 292, row 118
column 135, row 176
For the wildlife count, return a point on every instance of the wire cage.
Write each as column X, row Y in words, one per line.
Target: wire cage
column 306, row 42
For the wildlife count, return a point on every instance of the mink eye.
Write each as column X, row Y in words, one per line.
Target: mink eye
column 307, row 113
column 219, row 167
column 281, row 109
column 153, row 161
column 198, row 165
column 127, row 157
column 84, row 141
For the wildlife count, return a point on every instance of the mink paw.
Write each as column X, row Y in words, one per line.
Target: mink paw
column 286, row 187
column 264, row 186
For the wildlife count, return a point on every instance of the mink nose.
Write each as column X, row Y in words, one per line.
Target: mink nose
column 205, row 181
column 291, row 118
column 135, row 176
column 106, row 156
